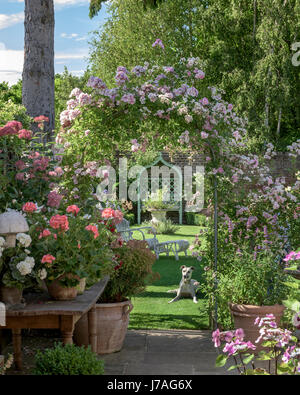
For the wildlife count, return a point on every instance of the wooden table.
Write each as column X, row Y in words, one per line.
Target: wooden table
column 40, row 312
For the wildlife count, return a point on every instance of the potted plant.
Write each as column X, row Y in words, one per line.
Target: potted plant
column 132, row 272
column 70, row 248
column 157, row 207
column 17, row 269
column 252, row 288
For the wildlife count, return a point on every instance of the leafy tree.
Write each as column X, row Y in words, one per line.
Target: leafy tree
column 245, row 47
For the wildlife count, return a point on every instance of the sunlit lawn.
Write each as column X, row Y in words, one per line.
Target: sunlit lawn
column 151, row 308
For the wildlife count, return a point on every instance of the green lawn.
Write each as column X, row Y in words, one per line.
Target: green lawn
column 151, row 308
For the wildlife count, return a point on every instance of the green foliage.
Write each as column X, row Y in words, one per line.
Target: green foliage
column 13, row 93
column 197, row 219
column 132, row 274
column 67, row 360
column 11, row 111
column 166, row 227
column 245, row 46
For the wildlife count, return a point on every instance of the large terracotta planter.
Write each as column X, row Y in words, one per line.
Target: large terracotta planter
column 245, row 315
column 10, row 295
column 112, row 324
column 59, row 292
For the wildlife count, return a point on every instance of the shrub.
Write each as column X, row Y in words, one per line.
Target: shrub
column 133, row 271
column 67, row 360
column 130, row 217
column 166, row 227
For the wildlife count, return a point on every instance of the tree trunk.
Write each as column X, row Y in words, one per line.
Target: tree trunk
column 38, row 69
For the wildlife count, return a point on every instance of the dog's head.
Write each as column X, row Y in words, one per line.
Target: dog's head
column 186, row 273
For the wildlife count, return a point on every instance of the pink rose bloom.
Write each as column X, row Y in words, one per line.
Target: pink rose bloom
column 58, row 171
column 204, row 135
column 204, row 101
column 200, row 75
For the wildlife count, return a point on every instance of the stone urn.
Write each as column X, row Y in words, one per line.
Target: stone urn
column 112, row 324
column 158, row 215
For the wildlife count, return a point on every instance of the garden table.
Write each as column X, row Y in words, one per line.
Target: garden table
column 40, row 312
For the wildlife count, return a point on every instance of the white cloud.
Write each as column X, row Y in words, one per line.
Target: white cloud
column 11, row 65
column 11, row 62
column 80, row 54
column 10, row 20
column 72, row 35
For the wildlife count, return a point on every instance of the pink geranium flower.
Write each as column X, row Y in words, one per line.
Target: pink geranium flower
column 108, row 213
column 59, row 222
column 48, row 258
column 73, row 209
column 94, row 229
column 29, row 207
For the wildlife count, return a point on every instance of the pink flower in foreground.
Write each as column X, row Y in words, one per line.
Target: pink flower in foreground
column 29, row 207
column 216, row 338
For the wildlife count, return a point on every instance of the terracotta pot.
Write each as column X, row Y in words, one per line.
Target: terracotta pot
column 81, row 286
column 245, row 315
column 112, row 324
column 10, row 295
column 59, row 292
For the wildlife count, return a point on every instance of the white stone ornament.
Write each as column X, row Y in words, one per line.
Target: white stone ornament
column 11, row 223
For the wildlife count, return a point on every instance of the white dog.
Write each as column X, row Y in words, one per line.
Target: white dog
column 187, row 286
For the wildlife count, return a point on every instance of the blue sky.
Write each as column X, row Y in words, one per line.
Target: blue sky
column 72, row 28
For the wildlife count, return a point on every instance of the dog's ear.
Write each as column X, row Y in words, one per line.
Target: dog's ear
column 182, row 267
column 192, row 267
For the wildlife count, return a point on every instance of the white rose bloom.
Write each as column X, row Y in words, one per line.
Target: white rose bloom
column 1, row 250
column 24, row 239
column 2, row 241
column 42, row 274
column 30, row 261
column 24, row 268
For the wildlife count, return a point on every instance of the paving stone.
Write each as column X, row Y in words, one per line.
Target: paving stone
column 157, row 368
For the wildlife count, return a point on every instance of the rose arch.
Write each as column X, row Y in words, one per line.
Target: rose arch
column 171, row 108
